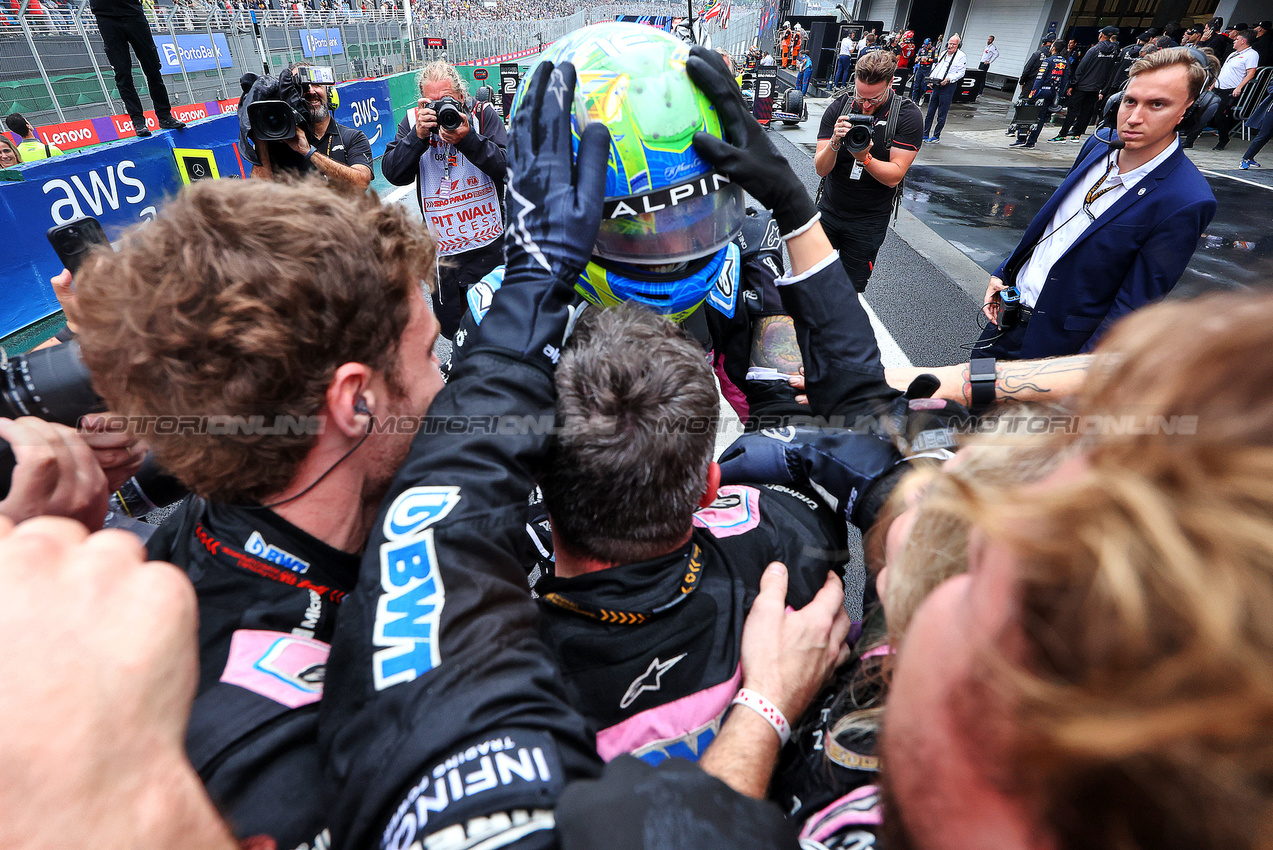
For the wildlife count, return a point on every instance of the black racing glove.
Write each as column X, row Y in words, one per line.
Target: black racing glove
column 554, row 212
column 841, row 467
column 751, row 161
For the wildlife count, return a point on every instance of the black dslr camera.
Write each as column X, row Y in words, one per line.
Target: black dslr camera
column 450, row 112
column 277, row 119
column 860, row 135
column 50, row 383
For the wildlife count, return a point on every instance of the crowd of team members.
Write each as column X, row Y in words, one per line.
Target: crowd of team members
column 398, row 646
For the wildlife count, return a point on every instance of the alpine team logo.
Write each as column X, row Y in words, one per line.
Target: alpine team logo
column 418, row 508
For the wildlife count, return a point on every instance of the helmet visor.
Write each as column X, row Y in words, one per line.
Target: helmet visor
column 670, row 226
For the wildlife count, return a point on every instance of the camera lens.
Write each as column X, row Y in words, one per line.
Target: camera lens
column 858, row 138
column 51, row 383
column 449, row 116
column 271, row 120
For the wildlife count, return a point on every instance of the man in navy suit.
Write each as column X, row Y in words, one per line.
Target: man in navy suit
column 1118, row 232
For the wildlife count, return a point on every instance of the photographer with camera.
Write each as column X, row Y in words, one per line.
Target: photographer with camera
column 285, row 124
column 868, row 139
column 454, row 149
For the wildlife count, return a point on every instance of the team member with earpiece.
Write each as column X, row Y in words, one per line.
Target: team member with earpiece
column 1118, row 232
column 281, row 357
column 453, row 149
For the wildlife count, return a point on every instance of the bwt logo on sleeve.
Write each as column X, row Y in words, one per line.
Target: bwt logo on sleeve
column 409, row 611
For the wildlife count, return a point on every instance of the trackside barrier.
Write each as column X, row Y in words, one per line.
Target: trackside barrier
column 126, row 181
column 368, row 106
column 120, row 184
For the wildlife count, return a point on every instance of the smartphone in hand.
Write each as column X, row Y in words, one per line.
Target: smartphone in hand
column 73, row 240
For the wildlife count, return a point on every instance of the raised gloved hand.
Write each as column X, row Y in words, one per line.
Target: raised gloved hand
column 554, row 212
column 749, row 158
column 841, row 467
column 554, row 200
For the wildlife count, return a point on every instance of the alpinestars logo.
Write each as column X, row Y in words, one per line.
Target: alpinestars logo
column 650, row 680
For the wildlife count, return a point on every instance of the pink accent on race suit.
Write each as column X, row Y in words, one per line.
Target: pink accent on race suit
column 828, row 822
column 278, row 666
column 740, row 515
column 669, row 721
column 729, row 390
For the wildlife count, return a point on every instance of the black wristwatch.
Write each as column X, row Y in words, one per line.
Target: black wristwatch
column 981, row 383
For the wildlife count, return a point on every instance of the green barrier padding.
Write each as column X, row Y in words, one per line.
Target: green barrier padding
column 402, row 94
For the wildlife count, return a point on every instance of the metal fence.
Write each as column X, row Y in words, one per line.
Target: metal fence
column 53, row 65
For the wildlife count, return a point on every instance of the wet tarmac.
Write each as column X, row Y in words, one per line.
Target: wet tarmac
column 982, row 210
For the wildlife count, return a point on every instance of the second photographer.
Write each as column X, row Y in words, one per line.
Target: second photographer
column 868, row 139
column 453, row 148
column 289, row 123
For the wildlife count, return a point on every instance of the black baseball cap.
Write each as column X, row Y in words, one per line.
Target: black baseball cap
column 1111, row 30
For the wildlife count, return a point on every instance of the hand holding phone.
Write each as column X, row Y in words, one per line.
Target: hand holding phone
column 73, row 240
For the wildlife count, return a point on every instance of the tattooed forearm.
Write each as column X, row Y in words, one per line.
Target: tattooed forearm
column 774, row 345
column 1032, row 380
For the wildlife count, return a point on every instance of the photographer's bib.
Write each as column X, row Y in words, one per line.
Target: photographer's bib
column 461, row 202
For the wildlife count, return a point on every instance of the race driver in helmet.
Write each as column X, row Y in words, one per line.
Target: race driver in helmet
column 445, row 727
column 906, row 50
column 675, row 235
column 612, row 565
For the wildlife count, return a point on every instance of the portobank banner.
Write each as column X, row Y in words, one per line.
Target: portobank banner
column 325, row 42
column 196, row 52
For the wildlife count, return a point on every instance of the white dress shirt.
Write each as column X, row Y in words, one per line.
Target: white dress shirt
column 846, row 46
column 1070, row 222
column 949, row 67
column 990, row 54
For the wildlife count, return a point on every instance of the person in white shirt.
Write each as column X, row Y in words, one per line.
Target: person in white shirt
column 947, row 71
column 1237, row 71
column 990, row 54
column 844, row 62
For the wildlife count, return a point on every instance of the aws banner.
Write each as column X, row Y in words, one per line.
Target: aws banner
column 367, row 106
column 119, row 184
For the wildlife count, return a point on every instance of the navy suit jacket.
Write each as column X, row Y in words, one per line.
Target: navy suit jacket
column 1132, row 255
